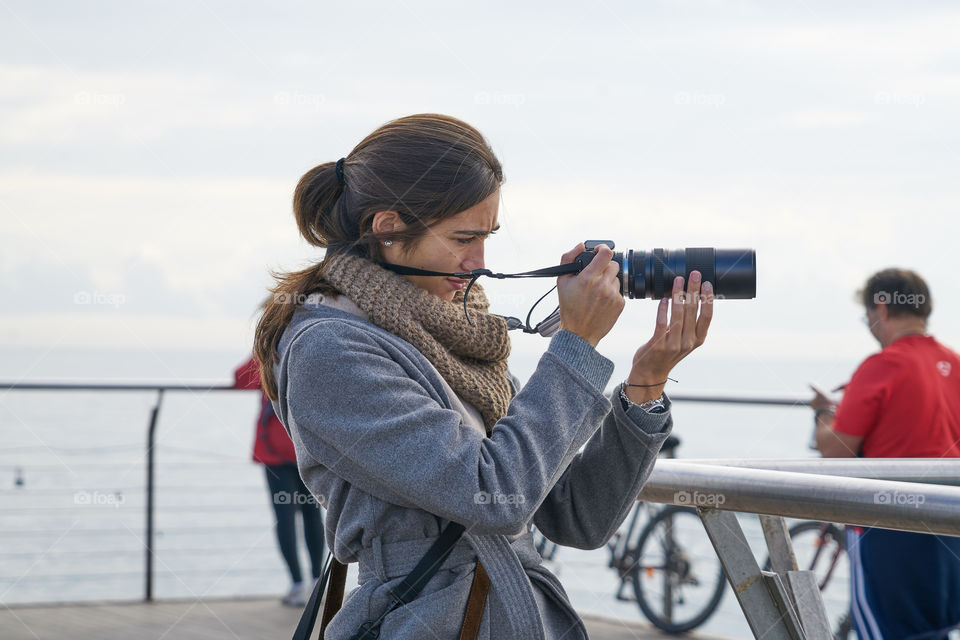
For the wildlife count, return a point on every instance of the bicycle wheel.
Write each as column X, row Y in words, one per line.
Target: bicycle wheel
column 677, row 579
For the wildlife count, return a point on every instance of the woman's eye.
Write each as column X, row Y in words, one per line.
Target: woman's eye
column 466, row 240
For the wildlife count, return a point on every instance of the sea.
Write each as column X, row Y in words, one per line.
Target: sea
column 73, row 476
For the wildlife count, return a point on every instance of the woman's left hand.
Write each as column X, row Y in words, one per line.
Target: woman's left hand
column 673, row 341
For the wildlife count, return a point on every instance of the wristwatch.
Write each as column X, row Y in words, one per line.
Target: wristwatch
column 650, row 406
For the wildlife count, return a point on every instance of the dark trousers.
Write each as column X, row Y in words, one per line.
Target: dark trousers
column 289, row 495
column 903, row 584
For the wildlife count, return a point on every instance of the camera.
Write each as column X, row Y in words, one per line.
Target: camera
column 650, row 274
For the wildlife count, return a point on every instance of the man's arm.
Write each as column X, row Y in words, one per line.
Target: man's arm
column 833, row 444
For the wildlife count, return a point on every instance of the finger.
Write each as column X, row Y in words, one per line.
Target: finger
column 610, row 273
column 676, row 315
column 569, row 256
column 660, row 331
column 599, row 262
column 706, row 312
column 818, row 395
column 689, row 337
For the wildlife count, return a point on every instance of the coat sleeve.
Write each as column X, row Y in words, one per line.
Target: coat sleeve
column 596, row 492
column 362, row 407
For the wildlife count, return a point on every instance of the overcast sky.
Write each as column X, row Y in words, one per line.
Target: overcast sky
column 150, row 150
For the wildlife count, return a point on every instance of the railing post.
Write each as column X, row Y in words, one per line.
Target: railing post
column 762, row 597
column 775, row 532
column 151, row 430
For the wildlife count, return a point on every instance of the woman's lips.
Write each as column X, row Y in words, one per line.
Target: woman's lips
column 456, row 283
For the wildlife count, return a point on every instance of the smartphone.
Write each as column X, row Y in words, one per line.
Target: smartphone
column 813, row 435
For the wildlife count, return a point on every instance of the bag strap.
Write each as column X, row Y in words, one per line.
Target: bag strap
column 411, row 585
column 435, row 556
column 475, row 604
column 309, row 616
column 334, row 599
column 405, row 592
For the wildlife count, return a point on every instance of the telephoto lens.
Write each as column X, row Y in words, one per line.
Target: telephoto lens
column 650, row 274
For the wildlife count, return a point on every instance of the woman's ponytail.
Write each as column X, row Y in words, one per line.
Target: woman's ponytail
column 315, row 204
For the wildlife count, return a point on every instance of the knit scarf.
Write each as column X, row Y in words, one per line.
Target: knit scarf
column 472, row 359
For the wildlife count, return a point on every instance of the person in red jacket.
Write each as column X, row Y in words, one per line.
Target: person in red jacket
column 274, row 450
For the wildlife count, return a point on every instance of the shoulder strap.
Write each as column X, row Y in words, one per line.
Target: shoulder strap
column 334, row 598
column 439, row 551
column 309, row 616
column 405, row 592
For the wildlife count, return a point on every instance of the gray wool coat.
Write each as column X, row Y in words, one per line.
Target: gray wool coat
column 389, row 451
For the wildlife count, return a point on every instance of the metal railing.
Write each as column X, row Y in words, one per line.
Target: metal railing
column 160, row 389
column 920, row 495
column 910, row 495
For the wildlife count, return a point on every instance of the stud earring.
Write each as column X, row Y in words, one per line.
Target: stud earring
column 387, row 243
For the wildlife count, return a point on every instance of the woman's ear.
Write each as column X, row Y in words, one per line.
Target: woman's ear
column 387, row 221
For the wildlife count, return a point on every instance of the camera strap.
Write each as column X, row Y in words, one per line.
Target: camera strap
column 545, row 327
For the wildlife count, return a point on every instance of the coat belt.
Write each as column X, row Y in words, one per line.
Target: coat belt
column 387, row 560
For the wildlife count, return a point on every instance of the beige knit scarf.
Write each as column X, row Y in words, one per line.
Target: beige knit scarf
column 472, row 359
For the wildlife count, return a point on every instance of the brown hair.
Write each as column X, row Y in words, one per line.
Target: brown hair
column 904, row 292
column 426, row 167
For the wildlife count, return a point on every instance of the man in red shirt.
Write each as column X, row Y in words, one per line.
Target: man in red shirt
column 903, row 402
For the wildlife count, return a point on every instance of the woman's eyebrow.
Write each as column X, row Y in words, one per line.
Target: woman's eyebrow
column 472, row 232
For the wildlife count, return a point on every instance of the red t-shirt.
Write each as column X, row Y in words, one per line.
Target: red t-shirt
column 905, row 401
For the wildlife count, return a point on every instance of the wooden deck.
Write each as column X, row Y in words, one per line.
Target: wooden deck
column 209, row 620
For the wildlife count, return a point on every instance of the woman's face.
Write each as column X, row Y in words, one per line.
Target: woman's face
column 452, row 245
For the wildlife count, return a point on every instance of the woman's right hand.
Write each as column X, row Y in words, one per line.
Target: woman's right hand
column 590, row 301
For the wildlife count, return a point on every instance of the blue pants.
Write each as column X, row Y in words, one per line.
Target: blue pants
column 288, row 495
column 903, row 584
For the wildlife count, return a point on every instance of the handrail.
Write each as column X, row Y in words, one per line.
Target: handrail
column 944, row 471
column 779, row 401
column 116, row 386
column 159, row 388
column 66, row 385
column 912, row 495
column 907, row 506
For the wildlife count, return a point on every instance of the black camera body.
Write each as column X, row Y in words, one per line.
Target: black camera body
column 650, row 274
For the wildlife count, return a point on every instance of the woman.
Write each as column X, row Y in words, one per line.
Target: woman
column 403, row 414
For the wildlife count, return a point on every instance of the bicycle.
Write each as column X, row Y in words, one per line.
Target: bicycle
column 675, row 575
column 821, row 547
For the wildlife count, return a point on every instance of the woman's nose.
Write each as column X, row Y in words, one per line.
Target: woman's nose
column 474, row 258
